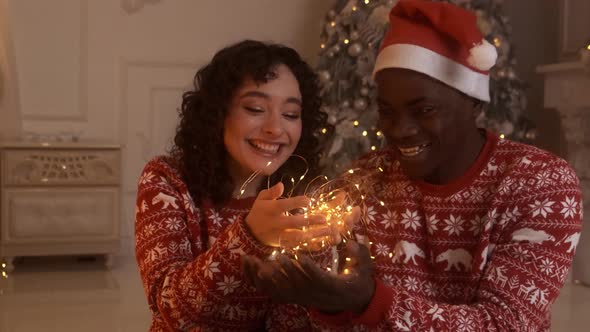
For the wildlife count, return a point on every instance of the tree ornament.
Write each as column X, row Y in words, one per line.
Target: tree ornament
column 531, row 134
column 355, row 49
column 360, row 104
column 483, row 24
column 511, row 74
column 506, row 128
column 324, row 76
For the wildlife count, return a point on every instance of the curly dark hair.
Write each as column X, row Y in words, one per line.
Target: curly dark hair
column 199, row 150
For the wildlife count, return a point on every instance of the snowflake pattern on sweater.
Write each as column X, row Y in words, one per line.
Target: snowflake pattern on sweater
column 189, row 260
column 487, row 252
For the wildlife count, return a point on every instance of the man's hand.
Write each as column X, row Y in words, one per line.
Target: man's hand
column 302, row 282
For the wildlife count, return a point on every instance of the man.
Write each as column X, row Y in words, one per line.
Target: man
column 468, row 232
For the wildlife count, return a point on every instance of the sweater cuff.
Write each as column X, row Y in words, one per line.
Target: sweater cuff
column 373, row 315
column 252, row 246
column 380, row 303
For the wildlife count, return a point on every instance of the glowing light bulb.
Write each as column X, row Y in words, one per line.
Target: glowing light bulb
column 367, row 2
column 382, row 203
column 502, row 136
column 350, row 171
column 324, row 130
column 365, row 133
column 346, row 41
column 379, row 133
column 333, row 23
column 355, row 123
column 373, row 148
column 323, row 46
column 354, row 8
column 380, row 169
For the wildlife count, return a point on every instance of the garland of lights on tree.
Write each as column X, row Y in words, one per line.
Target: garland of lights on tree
column 352, row 33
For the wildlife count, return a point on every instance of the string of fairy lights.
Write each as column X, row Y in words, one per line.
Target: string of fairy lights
column 334, row 200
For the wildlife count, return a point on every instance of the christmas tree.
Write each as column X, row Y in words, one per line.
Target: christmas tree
column 352, row 33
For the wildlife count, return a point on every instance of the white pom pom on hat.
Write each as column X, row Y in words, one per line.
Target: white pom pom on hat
column 483, row 56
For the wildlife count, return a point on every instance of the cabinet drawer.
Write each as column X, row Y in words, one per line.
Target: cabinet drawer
column 59, row 214
column 32, row 167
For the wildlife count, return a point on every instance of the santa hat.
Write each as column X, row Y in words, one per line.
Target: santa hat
column 440, row 40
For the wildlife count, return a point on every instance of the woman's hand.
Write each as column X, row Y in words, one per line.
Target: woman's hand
column 270, row 225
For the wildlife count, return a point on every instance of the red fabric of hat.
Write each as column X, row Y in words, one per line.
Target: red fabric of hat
column 440, row 40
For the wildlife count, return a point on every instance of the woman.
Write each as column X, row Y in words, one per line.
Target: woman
column 252, row 107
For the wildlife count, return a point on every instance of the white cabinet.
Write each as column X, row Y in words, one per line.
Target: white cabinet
column 59, row 199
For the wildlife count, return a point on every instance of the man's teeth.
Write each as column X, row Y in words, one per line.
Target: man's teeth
column 413, row 151
column 266, row 147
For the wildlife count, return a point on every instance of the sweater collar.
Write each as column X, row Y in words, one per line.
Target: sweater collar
column 468, row 177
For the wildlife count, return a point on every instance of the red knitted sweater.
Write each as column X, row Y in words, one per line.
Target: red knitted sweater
column 189, row 260
column 487, row 252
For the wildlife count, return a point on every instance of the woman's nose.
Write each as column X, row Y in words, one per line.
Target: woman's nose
column 272, row 124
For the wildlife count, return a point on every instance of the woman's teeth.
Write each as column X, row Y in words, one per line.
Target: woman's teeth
column 266, row 147
column 412, row 151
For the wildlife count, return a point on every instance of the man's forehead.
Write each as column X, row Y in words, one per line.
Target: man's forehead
column 404, row 74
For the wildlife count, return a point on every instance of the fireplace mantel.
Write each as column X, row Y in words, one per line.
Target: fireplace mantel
column 567, row 89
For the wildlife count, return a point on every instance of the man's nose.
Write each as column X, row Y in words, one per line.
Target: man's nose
column 401, row 127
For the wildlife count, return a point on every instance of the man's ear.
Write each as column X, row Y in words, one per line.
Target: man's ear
column 478, row 108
